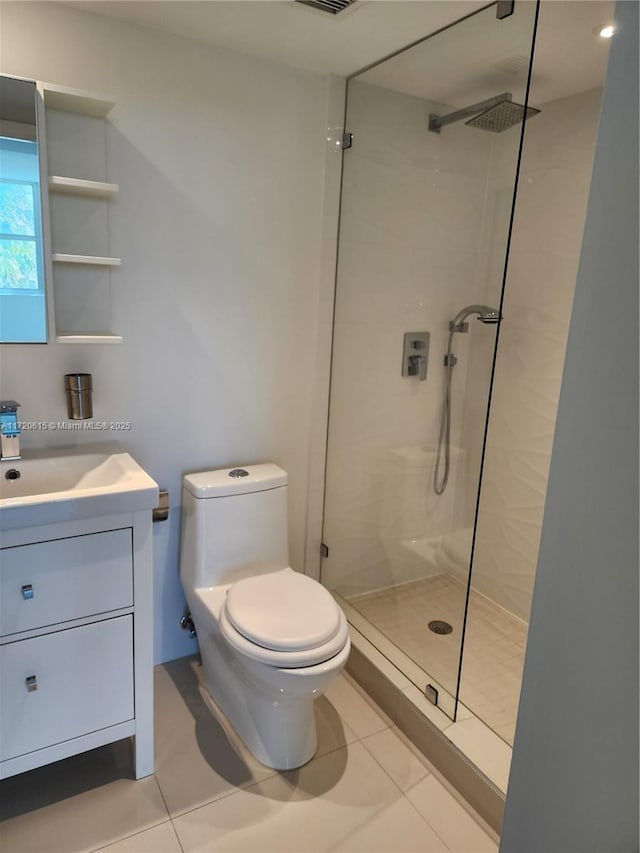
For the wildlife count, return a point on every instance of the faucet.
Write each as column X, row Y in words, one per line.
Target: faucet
column 9, row 430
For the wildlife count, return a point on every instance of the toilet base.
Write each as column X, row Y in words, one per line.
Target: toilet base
column 280, row 735
column 270, row 708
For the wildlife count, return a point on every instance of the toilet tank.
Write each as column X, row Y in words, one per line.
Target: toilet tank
column 234, row 524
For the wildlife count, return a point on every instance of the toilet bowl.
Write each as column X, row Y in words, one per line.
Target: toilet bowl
column 271, row 639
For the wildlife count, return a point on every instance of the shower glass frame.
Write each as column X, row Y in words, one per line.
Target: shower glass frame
column 378, row 470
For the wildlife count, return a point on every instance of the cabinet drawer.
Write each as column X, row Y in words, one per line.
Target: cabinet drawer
column 64, row 579
column 81, row 680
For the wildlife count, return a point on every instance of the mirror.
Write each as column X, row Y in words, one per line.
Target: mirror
column 23, row 310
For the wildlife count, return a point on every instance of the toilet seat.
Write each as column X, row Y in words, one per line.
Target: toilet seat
column 284, row 611
column 283, row 619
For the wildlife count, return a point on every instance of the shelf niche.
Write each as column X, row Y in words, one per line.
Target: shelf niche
column 87, row 260
column 76, row 101
column 96, row 338
column 77, row 186
column 82, row 298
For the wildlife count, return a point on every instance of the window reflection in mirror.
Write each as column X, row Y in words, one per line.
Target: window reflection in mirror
column 23, row 315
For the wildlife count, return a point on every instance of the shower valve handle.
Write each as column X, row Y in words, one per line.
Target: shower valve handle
column 418, row 367
column 415, row 354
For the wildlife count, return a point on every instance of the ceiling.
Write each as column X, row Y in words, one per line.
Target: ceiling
column 480, row 57
column 292, row 33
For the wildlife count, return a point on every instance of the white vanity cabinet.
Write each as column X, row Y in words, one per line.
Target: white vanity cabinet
column 76, row 638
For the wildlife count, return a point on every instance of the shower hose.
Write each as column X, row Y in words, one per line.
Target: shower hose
column 441, row 477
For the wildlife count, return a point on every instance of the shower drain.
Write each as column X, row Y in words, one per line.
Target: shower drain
column 439, row 626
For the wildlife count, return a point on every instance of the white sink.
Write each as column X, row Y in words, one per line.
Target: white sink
column 64, row 485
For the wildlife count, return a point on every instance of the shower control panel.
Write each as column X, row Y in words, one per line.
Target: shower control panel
column 415, row 354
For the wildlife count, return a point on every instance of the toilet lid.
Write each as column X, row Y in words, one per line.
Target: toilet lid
column 283, row 611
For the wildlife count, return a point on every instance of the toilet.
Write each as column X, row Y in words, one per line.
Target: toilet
column 271, row 639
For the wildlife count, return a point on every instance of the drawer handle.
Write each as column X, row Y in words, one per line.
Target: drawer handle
column 27, row 591
column 32, row 683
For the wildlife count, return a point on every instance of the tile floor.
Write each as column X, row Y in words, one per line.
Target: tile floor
column 366, row 789
column 494, row 643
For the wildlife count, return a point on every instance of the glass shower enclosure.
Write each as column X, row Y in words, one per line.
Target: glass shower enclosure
column 427, row 198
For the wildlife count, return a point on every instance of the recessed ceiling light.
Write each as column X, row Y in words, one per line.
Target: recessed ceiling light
column 605, row 31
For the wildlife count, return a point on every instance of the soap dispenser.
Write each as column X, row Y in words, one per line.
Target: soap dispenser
column 9, row 430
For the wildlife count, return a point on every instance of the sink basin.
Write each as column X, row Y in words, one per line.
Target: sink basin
column 64, row 485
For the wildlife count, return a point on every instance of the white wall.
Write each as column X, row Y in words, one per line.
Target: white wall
column 549, row 220
column 221, row 160
column 574, row 775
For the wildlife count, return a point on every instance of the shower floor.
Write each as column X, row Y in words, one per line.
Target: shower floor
column 494, row 643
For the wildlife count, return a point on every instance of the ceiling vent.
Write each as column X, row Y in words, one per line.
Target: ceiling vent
column 516, row 66
column 332, row 7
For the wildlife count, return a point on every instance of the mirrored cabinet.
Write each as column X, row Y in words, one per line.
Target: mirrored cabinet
column 23, row 223
column 56, row 261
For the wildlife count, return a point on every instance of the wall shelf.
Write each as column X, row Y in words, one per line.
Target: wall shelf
column 96, row 338
column 87, row 260
column 77, row 146
column 76, row 101
column 80, row 187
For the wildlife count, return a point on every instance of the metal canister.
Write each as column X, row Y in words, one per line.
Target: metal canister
column 78, row 390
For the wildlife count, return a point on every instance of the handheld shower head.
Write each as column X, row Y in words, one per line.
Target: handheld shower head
column 490, row 316
column 486, row 314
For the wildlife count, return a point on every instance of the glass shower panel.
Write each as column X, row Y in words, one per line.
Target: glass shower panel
column 544, row 252
column 426, row 203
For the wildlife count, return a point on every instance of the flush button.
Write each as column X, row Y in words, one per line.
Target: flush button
column 238, row 472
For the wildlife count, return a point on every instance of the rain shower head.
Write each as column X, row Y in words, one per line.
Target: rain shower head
column 486, row 314
column 495, row 114
column 504, row 115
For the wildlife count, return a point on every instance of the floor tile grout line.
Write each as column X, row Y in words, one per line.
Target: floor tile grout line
column 432, row 828
column 245, row 788
column 375, row 758
column 166, row 805
column 462, row 802
column 430, row 771
column 175, row 832
column 446, row 848
column 162, row 796
column 230, row 793
column 122, row 838
column 370, row 703
column 167, row 819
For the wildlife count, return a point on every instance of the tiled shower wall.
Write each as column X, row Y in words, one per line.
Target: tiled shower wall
column 422, row 234
column 543, row 264
column 413, row 205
